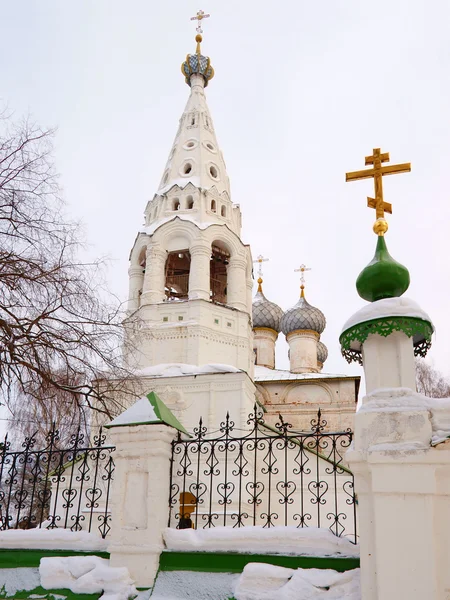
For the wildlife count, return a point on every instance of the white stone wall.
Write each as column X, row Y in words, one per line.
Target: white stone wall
column 264, row 340
column 299, row 401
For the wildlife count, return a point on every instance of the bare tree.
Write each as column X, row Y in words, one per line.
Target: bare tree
column 58, row 327
column 431, row 382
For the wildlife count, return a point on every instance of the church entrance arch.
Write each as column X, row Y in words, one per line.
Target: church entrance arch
column 178, row 265
column 220, row 258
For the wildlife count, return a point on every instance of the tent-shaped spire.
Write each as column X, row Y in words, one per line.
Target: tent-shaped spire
column 195, row 155
column 148, row 410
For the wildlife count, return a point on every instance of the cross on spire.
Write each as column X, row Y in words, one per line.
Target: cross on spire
column 377, row 172
column 302, row 270
column 260, row 259
column 199, row 17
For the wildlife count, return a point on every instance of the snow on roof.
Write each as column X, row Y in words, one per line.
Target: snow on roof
column 388, row 307
column 150, row 229
column 147, row 410
column 185, row 370
column 265, row 374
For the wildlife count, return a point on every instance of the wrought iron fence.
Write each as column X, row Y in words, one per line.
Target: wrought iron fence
column 55, row 487
column 266, row 476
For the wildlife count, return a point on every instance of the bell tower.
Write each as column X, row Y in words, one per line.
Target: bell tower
column 190, row 275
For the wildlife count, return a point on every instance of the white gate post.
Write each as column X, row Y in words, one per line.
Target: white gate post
column 140, row 493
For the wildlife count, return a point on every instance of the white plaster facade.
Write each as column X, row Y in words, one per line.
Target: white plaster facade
column 297, row 397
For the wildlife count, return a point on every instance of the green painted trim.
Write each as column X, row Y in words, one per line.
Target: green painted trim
column 48, row 594
column 164, row 413
column 17, row 557
column 233, row 562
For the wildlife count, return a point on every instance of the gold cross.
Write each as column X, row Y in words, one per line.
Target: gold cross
column 199, row 17
column 377, row 173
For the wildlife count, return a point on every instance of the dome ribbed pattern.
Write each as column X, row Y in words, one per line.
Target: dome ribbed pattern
column 197, row 63
column 266, row 313
column 322, row 352
column 303, row 316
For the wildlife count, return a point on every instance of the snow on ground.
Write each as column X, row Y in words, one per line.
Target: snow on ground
column 190, row 585
column 86, row 575
column 309, row 541
column 388, row 307
column 16, row 580
column 398, row 399
column 183, row 370
column 268, row 582
column 52, row 539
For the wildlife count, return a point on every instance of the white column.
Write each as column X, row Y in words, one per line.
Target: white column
column 140, row 498
column 389, row 361
column 154, row 280
column 236, row 283
column 249, row 295
column 264, row 342
column 136, row 280
column 199, row 274
column 303, row 351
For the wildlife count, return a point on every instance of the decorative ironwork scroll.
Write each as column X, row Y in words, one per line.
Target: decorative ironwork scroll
column 56, row 487
column 265, row 476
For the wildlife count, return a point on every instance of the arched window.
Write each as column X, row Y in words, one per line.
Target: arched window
column 190, row 202
column 142, row 262
column 178, row 265
column 176, row 204
column 213, row 206
column 187, row 168
column 220, row 258
column 223, row 211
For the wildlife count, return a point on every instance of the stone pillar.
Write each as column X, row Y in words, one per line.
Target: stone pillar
column 236, row 283
column 303, row 351
column 403, row 497
column 199, row 274
column 140, row 498
column 389, row 361
column 249, row 295
column 264, row 343
column 136, row 280
column 154, row 280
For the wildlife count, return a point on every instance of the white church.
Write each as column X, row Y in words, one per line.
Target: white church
column 195, row 335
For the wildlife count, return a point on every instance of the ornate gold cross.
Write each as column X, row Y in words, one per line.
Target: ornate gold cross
column 260, row 260
column 377, row 173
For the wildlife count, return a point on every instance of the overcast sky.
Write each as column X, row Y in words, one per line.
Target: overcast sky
column 302, row 92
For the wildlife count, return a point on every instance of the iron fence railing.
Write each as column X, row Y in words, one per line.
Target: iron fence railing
column 56, row 487
column 265, row 476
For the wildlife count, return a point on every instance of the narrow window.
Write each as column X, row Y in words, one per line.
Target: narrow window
column 213, row 206
column 213, row 172
column 187, row 168
column 190, row 202
column 223, row 211
column 176, row 204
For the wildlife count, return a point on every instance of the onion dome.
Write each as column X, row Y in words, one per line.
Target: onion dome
column 383, row 277
column 322, row 352
column 303, row 316
column 197, row 64
column 265, row 313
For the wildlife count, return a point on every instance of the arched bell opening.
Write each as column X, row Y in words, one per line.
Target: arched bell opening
column 142, row 262
column 178, row 265
column 220, row 258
